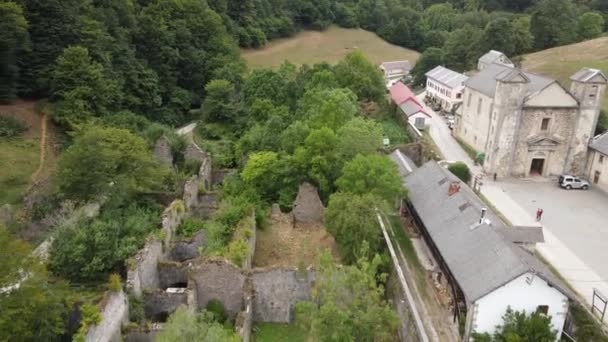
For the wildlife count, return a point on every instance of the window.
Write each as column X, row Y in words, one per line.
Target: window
column 601, row 160
column 419, row 122
column 545, row 124
column 542, row 309
column 469, row 101
column 594, row 91
column 459, row 96
column 479, row 103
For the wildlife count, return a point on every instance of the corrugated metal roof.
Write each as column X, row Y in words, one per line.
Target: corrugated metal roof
column 494, row 56
column 485, row 80
column 600, row 143
column 404, row 163
column 401, row 93
column 585, row 74
column 395, row 65
column 446, row 76
column 477, row 255
column 523, row 234
column 410, row 108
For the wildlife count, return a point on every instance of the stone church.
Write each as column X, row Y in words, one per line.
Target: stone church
column 528, row 124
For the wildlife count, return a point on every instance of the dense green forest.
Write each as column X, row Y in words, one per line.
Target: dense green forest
column 154, row 58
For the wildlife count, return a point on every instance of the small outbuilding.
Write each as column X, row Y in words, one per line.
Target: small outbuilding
column 394, row 71
column 409, row 105
column 493, row 57
column 598, row 161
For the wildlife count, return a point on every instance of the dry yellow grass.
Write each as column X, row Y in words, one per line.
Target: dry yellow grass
column 563, row 61
column 331, row 45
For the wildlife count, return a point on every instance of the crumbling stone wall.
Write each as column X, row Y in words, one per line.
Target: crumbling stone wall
column 219, row 279
column 205, row 173
column 171, row 273
column 171, row 219
column 186, row 250
column 191, row 192
column 161, row 303
column 193, row 152
column 276, row 292
column 244, row 320
column 143, row 272
column 308, row 207
column 162, row 151
column 147, row 334
column 114, row 314
column 208, row 203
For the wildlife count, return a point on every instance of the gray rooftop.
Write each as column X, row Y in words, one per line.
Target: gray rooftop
column 478, row 256
column 585, row 74
column 410, row 108
column 404, row 163
column 446, row 76
column 485, row 80
column 493, row 56
column 523, row 234
column 396, row 65
column 600, row 143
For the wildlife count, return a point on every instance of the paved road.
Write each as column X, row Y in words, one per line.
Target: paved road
column 575, row 223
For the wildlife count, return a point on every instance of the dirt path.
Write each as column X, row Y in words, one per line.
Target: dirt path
column 43, row 146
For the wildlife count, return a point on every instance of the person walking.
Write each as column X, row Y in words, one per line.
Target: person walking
column 540, row 214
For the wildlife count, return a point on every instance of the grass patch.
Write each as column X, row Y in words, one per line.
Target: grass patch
column 276, row 332
column 331, row 45
column 19, row 157
column 562, row 62
column 468, row 149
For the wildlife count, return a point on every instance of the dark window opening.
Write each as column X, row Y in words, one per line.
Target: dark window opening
column 179, row 285
column 545, row 124
column 160, row 317
column 542, row 309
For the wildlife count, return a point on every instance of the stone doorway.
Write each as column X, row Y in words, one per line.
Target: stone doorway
column 596, row 177
column 537, row 166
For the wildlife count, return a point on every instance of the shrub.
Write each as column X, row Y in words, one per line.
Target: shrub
column 115, row 283
column 90, row 316
column 10, row 127
column 216, row 307
column 190, row 226
column 237, row 251
column 136, row 309
column 461, row 170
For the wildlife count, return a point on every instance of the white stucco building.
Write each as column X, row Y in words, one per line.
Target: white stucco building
column 528, row 124
column 445, row 86
column 409, row 106
column 598, row 161
column 483, row 269
column 395, row 71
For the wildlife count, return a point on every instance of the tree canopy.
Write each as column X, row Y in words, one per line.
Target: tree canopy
column 372, row 174
column 521, row 326
column 184, row 325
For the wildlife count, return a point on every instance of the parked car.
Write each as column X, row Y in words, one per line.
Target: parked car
column 572, row 182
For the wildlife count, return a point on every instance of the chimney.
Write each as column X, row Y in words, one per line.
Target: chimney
column 483, row 215
column 453, row 188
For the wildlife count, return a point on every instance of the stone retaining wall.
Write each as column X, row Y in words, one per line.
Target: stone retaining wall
column 221, row 280
column 113, row 315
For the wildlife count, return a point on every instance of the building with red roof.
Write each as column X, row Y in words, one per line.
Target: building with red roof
column 405, row 99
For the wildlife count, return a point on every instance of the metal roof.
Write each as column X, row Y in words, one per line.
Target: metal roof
column 485, row 80
column 410, row 108
column 523, row 234
column 585, row 74
column 494, row 56
column 401, row 93
column 600, row 143
column 396, row 65
column 404, row 163
column 478, row 256
column 446, row 76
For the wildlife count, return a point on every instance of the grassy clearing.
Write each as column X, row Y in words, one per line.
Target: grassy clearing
column 561, row 62
column 19, row 157
column 331, row 45
column 276, row 332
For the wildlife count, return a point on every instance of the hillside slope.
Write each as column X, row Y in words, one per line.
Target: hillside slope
column 561, row 62
column 331, row 45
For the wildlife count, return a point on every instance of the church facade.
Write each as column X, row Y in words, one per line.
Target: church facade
column 527, row 124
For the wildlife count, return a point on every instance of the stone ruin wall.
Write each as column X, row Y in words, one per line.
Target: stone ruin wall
column 114, row 314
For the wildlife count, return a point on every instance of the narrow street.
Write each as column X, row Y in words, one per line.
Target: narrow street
column 575, row 233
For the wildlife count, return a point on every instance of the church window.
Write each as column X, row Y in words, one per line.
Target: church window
column 545, row 124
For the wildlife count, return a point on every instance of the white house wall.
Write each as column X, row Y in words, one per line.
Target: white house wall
column 596, row 166
column 519, row 295
column 552, row 96
column 412, row 119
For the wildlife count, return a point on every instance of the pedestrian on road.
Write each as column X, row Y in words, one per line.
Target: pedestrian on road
column 538, row 214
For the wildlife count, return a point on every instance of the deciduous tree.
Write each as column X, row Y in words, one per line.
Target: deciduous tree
column 184, row 325
column 372, row 174
column 590, row 25
column 13, row 40
column 358, row 74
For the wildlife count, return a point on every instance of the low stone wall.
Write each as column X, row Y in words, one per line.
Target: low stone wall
column 114, row 314
column 143, row 271
column 171, row 219
column 205, row 173
column 244, row 321
column 193, row 152
column 186, row 250
column 191, row 192
column 414, row 151
column 144, row 335
column 276, row 292
column 221, row 280
column 208, row 203
column 158, row 305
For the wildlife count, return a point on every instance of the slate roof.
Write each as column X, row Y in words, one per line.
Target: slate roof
column 600, row 143
column 585, row 74
column 446, row 76
column 478, row 256
column 410, row 107
column 493, row 56
column 485, row 80
column 401, row 93
column 396, row 65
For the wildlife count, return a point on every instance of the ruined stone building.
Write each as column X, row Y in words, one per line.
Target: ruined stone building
column 528, row 124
